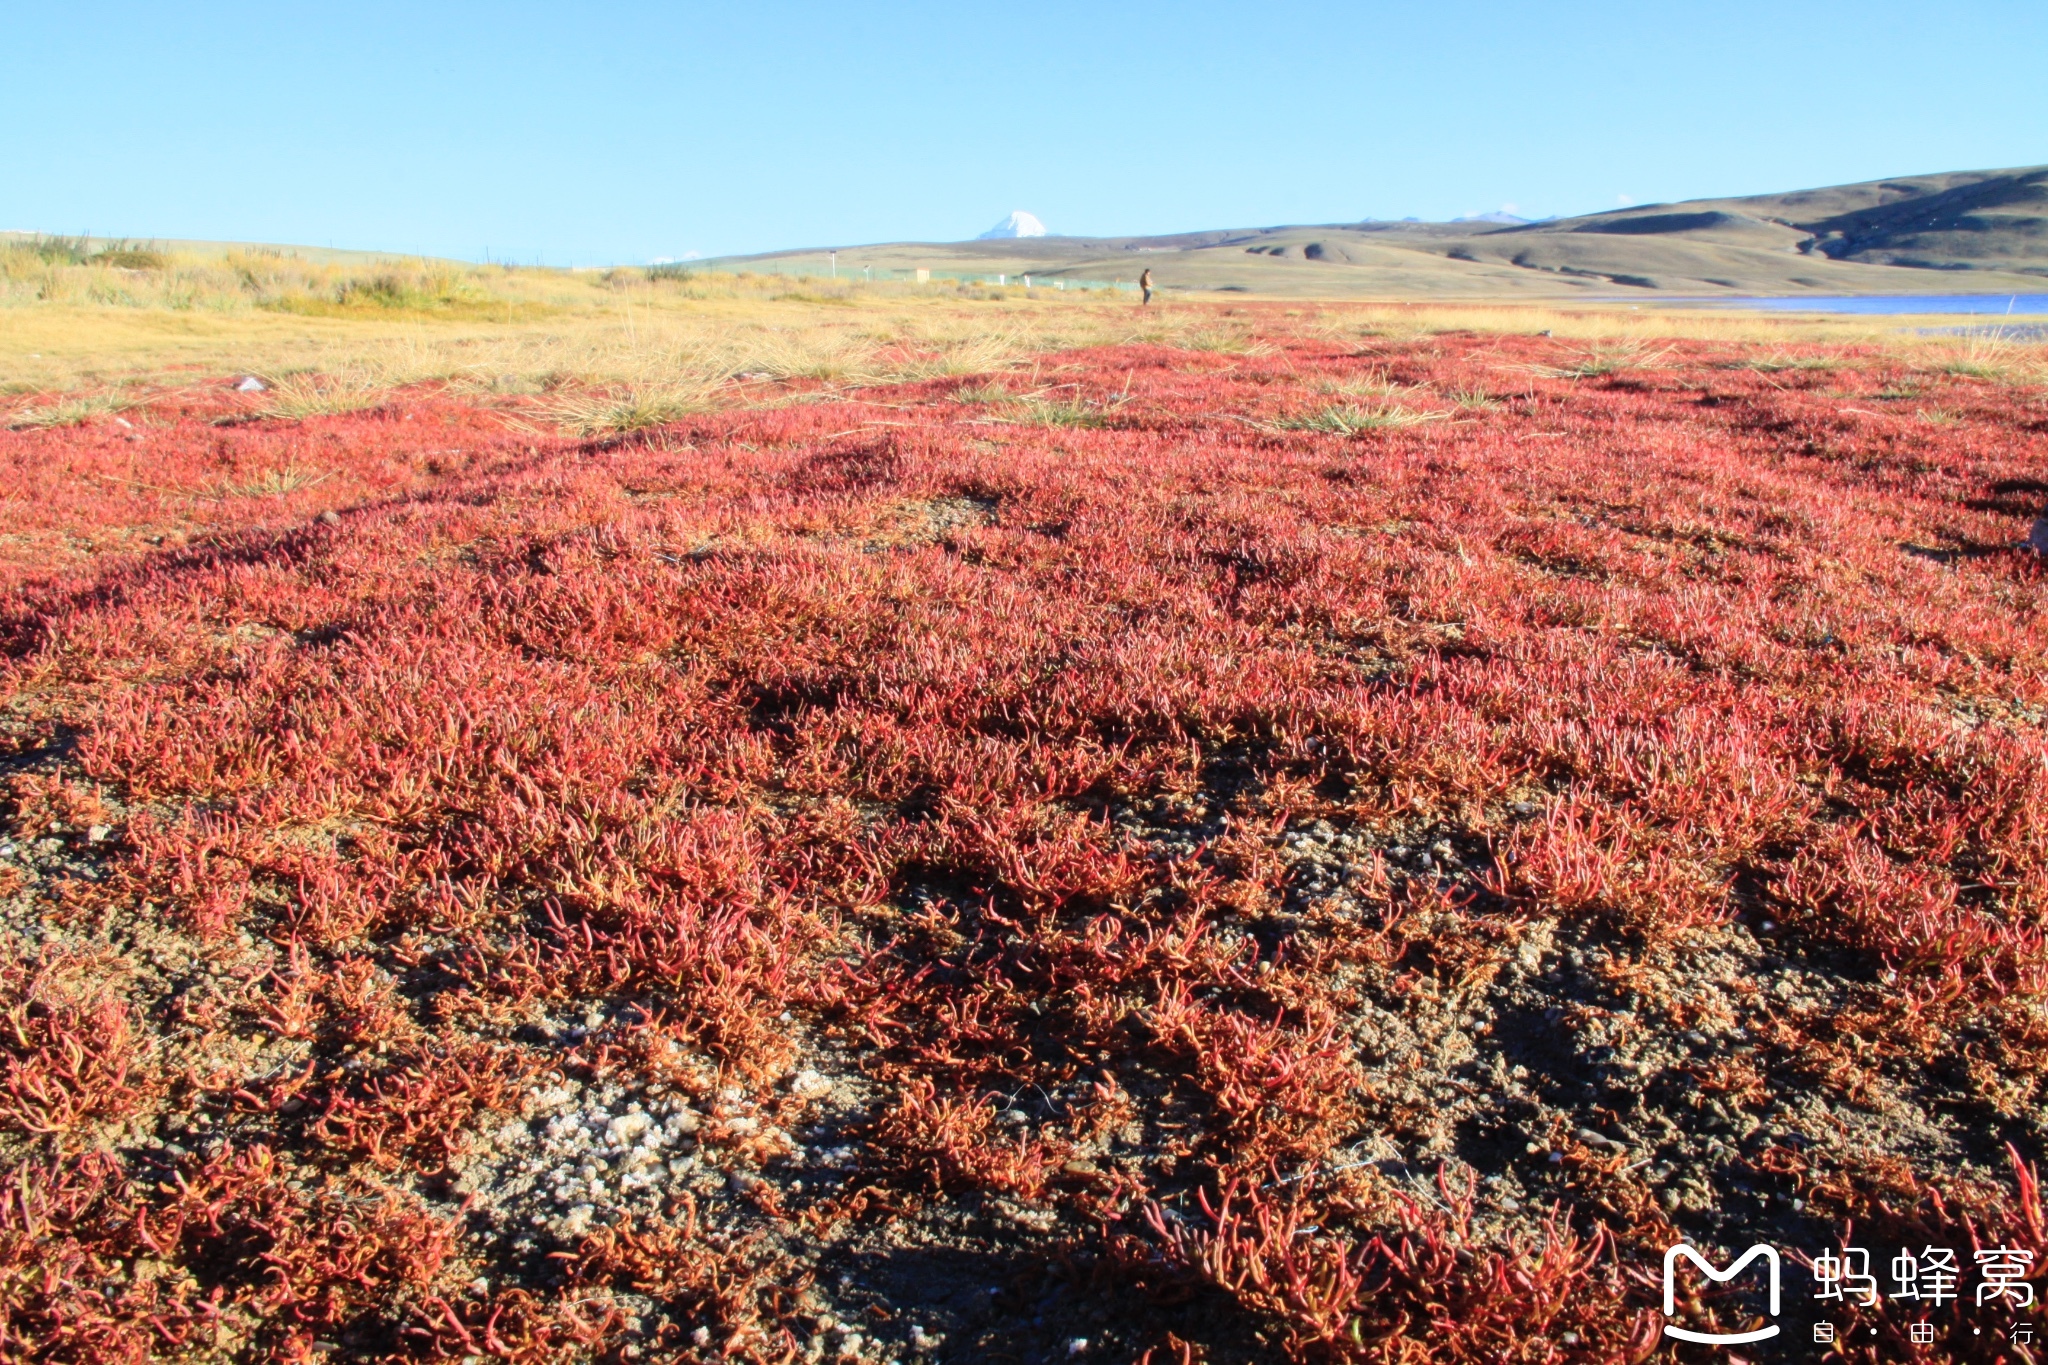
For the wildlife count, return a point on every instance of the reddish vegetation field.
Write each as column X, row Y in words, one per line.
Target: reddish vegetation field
column 1114, row 862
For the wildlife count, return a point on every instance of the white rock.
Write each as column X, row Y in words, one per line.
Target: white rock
column 548, row 1100
column 251, row 384
column 627, row 1129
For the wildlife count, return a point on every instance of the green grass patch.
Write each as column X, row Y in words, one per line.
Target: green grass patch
column 1779, row 362
column 129, row 258
column 68, row 412
column 798, row 296
column 1346, row 419
column 1042, row 412
column 422, row 294
column 1473, row 400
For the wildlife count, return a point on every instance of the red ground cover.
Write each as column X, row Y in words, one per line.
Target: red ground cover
column 1119, row 873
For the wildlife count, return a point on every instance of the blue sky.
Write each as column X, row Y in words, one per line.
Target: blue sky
column 625, row 132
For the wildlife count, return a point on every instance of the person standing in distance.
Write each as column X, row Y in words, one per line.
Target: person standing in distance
column 1145, row 284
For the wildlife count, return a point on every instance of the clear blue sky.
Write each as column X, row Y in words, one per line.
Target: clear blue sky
column 622, row 132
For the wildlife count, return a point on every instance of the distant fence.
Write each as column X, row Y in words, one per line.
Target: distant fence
column 878, row 274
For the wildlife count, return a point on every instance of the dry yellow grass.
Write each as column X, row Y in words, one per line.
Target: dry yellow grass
column 617, row 349
column 529, row 330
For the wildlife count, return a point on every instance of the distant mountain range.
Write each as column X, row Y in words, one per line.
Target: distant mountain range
column 1960, row 232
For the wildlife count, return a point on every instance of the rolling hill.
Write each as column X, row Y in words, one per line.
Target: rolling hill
column 1961, row 232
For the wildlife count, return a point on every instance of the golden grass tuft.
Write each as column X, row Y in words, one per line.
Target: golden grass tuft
column 294, row 397
column 274, row 483
column 1374, row 385
column 1994, row 354
column 1606, row 358
column 1347, row 419
column 1777, row 362
column 614, row 413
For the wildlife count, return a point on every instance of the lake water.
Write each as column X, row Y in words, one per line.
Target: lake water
column 2016, row 305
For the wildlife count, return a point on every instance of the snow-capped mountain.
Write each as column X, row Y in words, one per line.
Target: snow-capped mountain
column 1018, row 224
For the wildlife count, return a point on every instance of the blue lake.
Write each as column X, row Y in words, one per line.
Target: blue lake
column 2016, row 305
